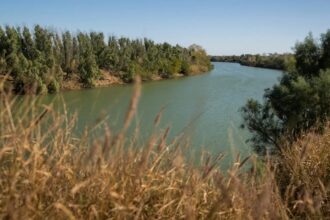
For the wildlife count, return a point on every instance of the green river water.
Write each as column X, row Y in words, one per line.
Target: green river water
column 205, row 107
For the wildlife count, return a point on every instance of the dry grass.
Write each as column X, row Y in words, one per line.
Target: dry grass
column 48, row 173
column 303, row 173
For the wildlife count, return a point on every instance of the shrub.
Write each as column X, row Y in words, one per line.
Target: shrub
column 53, row 86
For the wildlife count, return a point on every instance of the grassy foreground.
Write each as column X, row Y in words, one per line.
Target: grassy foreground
column 49, row 173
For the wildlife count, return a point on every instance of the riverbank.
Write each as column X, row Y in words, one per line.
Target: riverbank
column 270, row 61
column 108, row 79
column 105, row 79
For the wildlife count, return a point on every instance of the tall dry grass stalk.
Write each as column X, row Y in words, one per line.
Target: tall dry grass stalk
column 50, row 174
column 303, row 174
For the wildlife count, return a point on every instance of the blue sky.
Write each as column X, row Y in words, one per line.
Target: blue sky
column 221, row 26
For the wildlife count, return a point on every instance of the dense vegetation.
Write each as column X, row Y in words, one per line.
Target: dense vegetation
column 272, row 61
column 298, row 103
column 42, row 59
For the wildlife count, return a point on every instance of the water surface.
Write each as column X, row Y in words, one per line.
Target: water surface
column 204, row 107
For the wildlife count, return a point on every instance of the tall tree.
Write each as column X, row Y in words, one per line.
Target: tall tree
column 113, row 54
column 28, row 47
column 99, row 47
column 88, row 68
column 325, row 47
column 299, row 102
column 3, row 64
column 68, row 52
column 308, row 56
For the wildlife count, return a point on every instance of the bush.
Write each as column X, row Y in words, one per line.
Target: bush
column 53, row 86
column 41, row 88
column 298, row 103
column 185, row 68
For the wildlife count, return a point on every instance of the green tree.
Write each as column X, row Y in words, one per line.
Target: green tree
column 88, row 69
column 75, row 54
column 3, row 64
column 28, row 47
column 11, row 48
column 68, row 53
column 99, row 48
column 308, row 56
column 325, row 47
column 112, row 54
column 43, row 40
column 298, row 103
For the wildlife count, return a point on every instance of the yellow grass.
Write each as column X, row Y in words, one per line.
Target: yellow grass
column 50, row 174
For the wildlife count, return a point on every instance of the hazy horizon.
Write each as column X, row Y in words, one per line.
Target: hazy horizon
column 221, row 27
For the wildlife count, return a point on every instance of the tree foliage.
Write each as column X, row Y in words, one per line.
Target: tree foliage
column 298, row 103
column 40, row 60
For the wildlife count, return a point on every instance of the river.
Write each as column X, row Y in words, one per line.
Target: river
column 204, row 107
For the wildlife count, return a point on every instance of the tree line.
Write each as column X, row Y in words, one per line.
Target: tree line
column 40, row 60
column 299, row 102
column 271, row 61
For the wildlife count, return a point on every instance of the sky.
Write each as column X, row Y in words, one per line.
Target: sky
column 222, row 27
